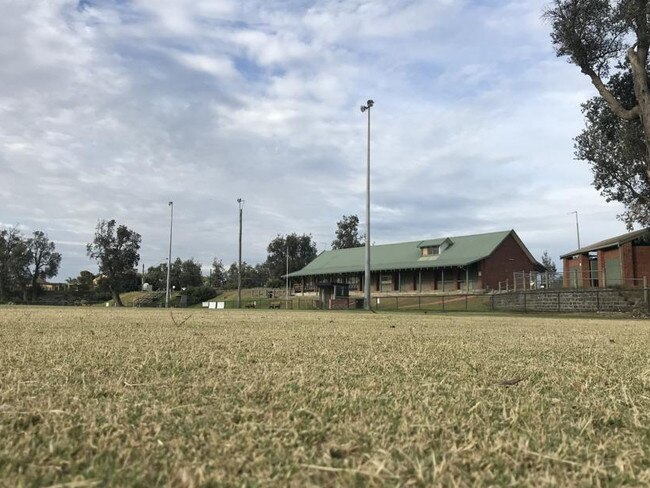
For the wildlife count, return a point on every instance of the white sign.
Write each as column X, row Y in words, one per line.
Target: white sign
column 212, row 305
column 205, row 304
column 221, row 305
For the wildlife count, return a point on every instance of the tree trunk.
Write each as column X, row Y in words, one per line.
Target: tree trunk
column 34, row 288
column 116, row 297
column 638, row 57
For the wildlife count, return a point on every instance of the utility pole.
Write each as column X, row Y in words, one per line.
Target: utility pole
column 241, row 208
column 286, row 284
column 366, row 284
column 577, row 226
column 169, row 259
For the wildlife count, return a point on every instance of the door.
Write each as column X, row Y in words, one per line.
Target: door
column 613, row 272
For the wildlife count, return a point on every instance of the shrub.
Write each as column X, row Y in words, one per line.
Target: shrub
column 198, row 294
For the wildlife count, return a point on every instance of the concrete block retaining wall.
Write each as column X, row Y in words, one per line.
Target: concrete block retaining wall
column 595, row 300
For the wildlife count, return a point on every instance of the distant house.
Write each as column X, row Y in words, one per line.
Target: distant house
column 619, row 261
column 474, row 262
column 47, row 286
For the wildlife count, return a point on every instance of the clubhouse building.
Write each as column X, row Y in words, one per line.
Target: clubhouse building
column 446, row 264
column 618, row 261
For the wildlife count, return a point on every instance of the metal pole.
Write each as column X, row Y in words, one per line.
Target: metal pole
column 169, row 259
column 287, row 275
column 366, row 299
column 241, row 208
column 577, row 227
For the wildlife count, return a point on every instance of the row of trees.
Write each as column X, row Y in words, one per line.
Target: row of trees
column 25, row 262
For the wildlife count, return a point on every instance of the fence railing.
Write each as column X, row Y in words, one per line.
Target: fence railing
column 559, row 300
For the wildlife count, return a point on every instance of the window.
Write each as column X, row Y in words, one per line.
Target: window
column 431, row 251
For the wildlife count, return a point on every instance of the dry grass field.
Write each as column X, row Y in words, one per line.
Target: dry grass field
column 106, row 397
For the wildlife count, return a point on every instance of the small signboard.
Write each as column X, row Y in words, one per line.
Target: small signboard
column 221, row 305
column 212, row 305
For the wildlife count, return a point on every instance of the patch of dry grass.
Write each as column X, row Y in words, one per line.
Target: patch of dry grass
column 127, row 397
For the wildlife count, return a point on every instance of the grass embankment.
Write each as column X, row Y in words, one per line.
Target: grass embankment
column 127, row 397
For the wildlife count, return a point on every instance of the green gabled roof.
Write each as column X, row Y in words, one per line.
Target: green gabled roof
column 464, row 250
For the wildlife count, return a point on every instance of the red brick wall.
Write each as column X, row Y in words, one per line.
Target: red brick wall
column 581, row 262
column 506, row 259
column 642, row 261
column 627, row 261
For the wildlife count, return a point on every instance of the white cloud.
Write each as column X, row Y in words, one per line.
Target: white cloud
column 216, row 66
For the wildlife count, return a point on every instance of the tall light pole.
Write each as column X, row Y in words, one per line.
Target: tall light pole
column 577, row 226
column 286, row 277
column 366, row 284
column 241, row 209
column 169, row 259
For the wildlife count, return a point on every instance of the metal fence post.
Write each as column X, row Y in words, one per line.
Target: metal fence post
column 397, row 303
column 597, row 301
column 492, row 300
column 443, row 303
column 466, row 302
column 646, row 292
column 558, row 300
column 419, row 302
column 525, row 309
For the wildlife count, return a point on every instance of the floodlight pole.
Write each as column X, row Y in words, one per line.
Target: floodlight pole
column 366, row 284
column 241, row 208
column 169, row 259
column 577, row 226
column 286, row 278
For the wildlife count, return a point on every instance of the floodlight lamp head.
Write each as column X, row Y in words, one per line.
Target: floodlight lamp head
column 170, row 204
column 363, row 108
column 370, row 103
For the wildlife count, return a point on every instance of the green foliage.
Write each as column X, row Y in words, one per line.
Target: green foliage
column 251, row 276
column 9, row 241
column 548, row 263
column 347, row 233
column 300, row 249
column 218, row 276
column 25, row 261
column 616, row 152
column 183, row 274
column 83, row 282
column 589, row 32
column 198, row 294
column 115, row 248
column 44, row 262
column 156, row 276
column 189, row 273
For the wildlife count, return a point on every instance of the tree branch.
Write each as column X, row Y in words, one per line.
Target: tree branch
column 612, row 101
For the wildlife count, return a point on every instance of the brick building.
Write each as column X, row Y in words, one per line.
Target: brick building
column 619, row 261
column 463, row 263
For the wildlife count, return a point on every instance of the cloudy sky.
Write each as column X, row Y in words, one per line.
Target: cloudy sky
column 111, row 108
